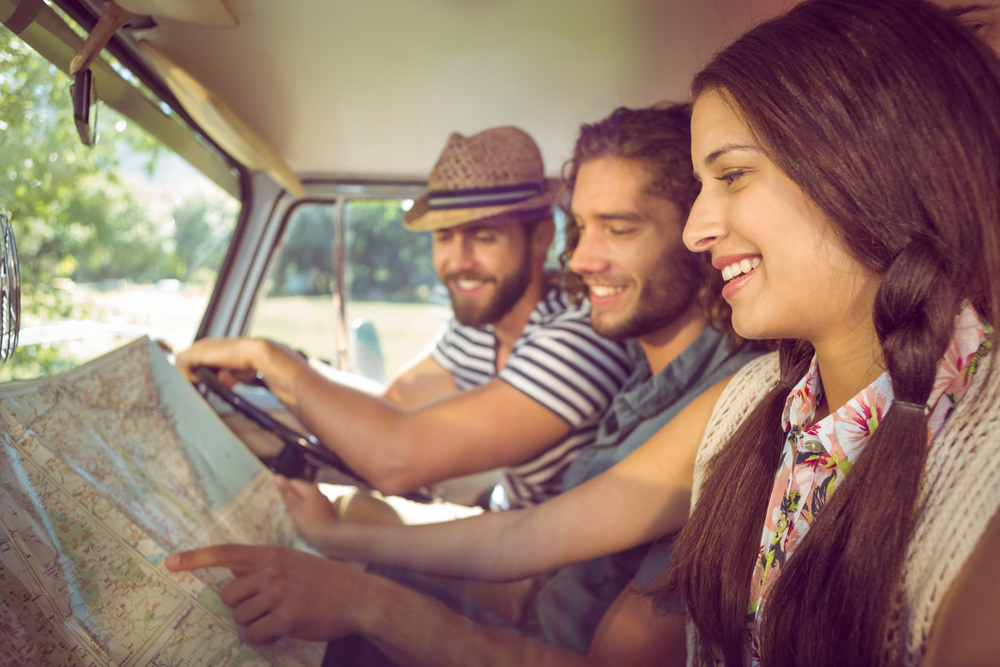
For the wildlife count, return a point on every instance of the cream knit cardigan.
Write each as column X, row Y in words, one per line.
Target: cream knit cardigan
column 960, row 494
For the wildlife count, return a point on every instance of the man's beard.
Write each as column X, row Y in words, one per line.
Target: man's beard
column 663, row 297
column 509, row 291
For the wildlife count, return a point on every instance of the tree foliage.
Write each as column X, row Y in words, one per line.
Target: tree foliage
column 76, row 212
column 305, row 266
column 384, row 261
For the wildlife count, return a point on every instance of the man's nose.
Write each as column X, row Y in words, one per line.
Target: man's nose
column 590, row 255
column 458, row 255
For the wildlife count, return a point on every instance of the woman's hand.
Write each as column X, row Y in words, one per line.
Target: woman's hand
column 314, row 516
column 280, row 592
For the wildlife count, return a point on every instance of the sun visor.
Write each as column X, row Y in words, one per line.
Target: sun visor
column 208, row 13
column 46, row 32
column 219, row 122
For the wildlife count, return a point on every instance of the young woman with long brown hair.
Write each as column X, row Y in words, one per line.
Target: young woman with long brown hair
column 850, row 158
column 850, row 153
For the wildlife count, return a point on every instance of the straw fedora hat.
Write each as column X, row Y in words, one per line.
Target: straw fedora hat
column 494, row 172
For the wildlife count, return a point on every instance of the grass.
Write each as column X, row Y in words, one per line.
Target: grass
column 307, row 323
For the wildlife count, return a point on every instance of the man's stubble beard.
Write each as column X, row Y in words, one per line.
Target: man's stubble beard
column 509, row 291
column 663, row 297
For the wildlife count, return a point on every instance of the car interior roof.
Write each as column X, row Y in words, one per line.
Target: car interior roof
column 372, row 89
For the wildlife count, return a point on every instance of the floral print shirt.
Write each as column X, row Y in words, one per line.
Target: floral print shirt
column 816, row 456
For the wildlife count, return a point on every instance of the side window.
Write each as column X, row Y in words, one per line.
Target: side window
column 296, row 305
column 115, row 241
column 394, row 303
column 391, row 284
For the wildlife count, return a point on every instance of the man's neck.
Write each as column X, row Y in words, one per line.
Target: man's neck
column 664, row 345
column 510, row 327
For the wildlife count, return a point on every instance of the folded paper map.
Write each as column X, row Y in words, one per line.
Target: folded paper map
column 104, row 470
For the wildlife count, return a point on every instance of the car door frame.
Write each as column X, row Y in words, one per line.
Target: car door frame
column 258, row 240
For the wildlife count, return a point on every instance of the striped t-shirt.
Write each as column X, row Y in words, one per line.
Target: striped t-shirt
column 558, row 361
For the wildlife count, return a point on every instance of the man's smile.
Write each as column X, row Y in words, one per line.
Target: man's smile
column 606, row 290
column 604, row 294
column 469, row 284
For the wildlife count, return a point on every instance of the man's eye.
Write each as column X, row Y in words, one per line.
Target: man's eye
column 622, row 231
column 486, row 238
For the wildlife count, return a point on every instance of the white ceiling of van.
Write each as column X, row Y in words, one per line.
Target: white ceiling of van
column 373, row 88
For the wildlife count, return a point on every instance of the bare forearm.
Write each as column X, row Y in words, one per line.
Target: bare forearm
column 415, row 631
column 396, row 450
column 620, row 512
column 366, row 431
column 472, row 548
column 392, row 449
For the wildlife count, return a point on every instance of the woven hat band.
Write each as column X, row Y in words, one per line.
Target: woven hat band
column 482, row 197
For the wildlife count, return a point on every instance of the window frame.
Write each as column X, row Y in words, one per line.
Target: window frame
column 239, row 289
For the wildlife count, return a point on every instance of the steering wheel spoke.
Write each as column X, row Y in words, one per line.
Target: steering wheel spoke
column 301, row 453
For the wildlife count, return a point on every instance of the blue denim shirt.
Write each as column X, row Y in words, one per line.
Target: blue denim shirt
column 568, row 608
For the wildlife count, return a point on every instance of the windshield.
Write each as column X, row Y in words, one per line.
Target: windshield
column 115, row 241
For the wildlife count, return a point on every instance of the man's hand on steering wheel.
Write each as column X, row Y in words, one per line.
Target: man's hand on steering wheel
column 246, row 359
column 235, row 355
column 209, row 361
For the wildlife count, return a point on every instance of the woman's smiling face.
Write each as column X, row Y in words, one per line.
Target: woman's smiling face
column 788, row 273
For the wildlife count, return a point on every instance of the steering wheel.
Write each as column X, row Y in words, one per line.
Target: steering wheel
column 301, row 453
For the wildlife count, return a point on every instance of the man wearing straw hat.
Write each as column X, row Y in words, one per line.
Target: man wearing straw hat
column 517, row 379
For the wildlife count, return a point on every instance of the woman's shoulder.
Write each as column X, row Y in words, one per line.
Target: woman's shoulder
column 960, row 493
column 745, row 390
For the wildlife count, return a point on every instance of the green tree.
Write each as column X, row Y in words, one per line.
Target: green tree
column 305, row 265
column 202, row 227
column 386, row 262
column 76, row 214
column 70, row 209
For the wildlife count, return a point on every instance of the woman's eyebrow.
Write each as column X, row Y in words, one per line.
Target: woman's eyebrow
column 727, row 148
column 960, row 10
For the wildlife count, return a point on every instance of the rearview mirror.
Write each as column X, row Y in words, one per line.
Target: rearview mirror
column 85, row 107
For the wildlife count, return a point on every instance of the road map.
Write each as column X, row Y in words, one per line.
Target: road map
column 104, row 471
